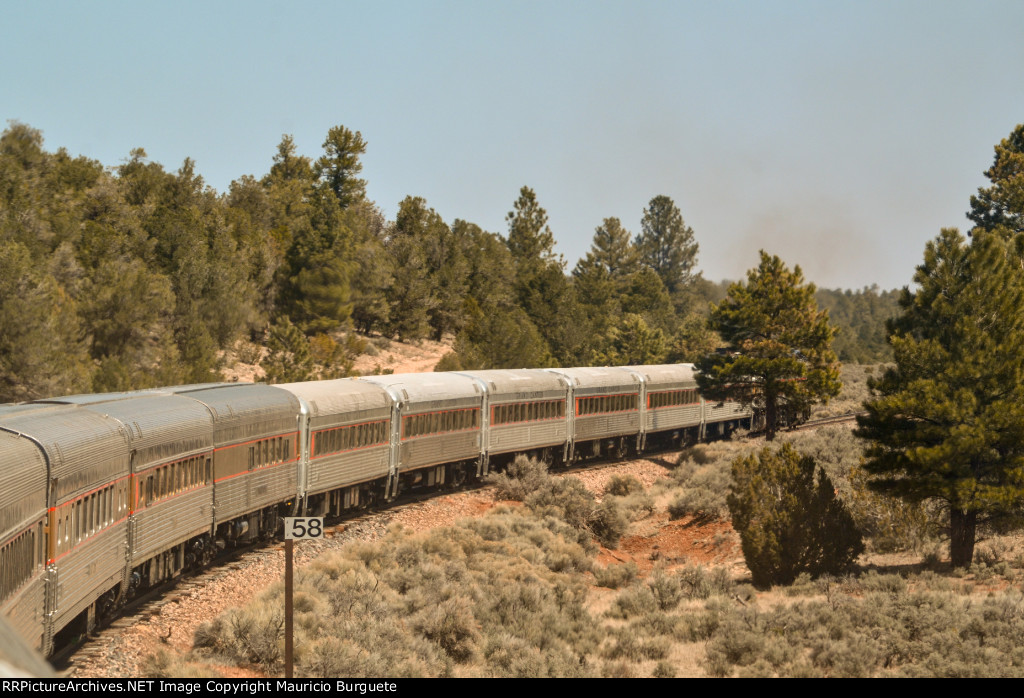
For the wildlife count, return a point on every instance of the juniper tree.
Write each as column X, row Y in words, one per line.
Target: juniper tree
column 779, row 349
column 948, row 421
column 788, row 520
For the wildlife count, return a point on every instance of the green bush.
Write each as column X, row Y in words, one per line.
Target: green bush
column 789, row 521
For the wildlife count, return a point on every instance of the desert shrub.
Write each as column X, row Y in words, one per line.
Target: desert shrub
column 637, row 506
column 889, row 523
column 789, row 521
column 882, row 583
column 615, row 576
column 626, row 644
column 609, row 523
column 665, row 588
column 164, row 665
column 699, row 454
column 702, row 504
column 617, row 670
column 702, row 484
column 623, row 485
column 250, row 635
column 734, row 644
column 632, row 601
column 664, row 670
column 452, row 626
column 696, row 582
column 522, row 476
column 564, row 498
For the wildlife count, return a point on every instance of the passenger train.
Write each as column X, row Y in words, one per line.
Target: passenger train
column 104, row 495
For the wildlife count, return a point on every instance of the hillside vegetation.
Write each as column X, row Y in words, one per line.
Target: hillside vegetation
column 132, row 275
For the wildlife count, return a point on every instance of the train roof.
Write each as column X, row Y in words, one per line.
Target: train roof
column 154, row 419
column 598, row 377
column 428, row 387
column 669, row 373
column 501, row 381
column 338, row 396
column 229, row 401
column 83, row 448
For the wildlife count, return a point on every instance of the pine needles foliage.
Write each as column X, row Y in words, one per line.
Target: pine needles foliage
column 788, row 520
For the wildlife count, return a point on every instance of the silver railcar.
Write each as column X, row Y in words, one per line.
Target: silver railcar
column 88, row 502
column 255, row 457
column 171, row 442
column 605, row 405
column 436, row 427
column 345, row 451
column 524, row 411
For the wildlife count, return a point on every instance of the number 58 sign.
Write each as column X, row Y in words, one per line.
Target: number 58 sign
column 299, row 527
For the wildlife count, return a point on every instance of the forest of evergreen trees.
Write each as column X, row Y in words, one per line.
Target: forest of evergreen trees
column 131, row 276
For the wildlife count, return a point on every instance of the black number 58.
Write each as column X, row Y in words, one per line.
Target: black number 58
column 298, row 527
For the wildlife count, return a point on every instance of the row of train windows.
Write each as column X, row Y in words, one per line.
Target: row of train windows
column 606, row 403
column 85, row 517
column 269, row 452
column 440, row 422
column 348, row 438
column 173, row 478
column 528, row 411
column 672, row 398
column 18, row 558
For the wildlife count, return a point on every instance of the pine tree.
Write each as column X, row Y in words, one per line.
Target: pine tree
column 667, row 245
column 779, row 344
column 339, row 167
column 541, row 287
column 1000, row 207
column 947, row 424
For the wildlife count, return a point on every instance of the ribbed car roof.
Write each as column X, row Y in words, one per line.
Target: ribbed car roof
column 339, row 396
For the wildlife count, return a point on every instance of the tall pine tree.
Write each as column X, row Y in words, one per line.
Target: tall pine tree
column 779, row 344
column 947, row 424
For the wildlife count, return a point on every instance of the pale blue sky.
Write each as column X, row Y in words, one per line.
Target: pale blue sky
column 839, row 135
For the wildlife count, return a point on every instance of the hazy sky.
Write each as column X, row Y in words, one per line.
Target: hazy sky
column 839, row 135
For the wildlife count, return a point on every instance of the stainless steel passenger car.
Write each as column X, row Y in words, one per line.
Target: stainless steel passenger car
column 605, row 408
column 436, row 427
column 255, row 458
column 88, row 500
column 171, row 456
column 524, row 411
column 671, row 405
column 345, row 451
column 22, row 542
